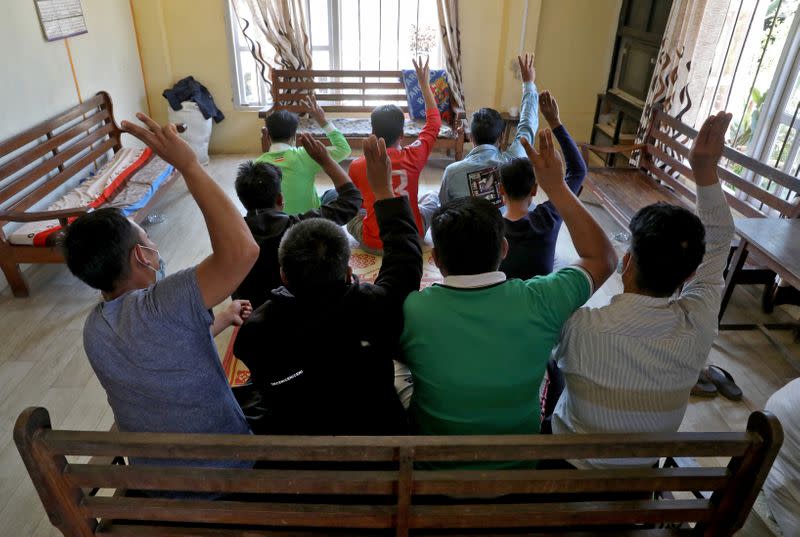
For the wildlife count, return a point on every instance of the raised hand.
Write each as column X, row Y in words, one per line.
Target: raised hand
column 707, row 149
column 379, row 167
column 546, row 162
column 549, row 108
column 315, row 149
column 164, row 140
column 526, row 67
column 315, row 110
column 423, row 71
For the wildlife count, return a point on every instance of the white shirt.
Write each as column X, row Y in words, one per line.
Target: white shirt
column 782, row 486
column 630, row 366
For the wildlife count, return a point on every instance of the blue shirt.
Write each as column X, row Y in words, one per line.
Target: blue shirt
column 454, row 181
column 532, row 239
column 153, row 353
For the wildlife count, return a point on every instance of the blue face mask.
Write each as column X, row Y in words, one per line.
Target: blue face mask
column 161, row 271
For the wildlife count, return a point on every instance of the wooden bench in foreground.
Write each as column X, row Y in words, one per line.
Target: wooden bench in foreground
column 373, row 485
column 354, row 94
column 43, row 158
column 754, row 190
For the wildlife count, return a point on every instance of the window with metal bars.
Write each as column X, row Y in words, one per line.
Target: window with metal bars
column 347, row 35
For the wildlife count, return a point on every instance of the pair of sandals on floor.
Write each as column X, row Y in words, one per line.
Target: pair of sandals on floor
column 714, row 380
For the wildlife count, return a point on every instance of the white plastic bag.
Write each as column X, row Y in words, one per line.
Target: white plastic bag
column 198, row 129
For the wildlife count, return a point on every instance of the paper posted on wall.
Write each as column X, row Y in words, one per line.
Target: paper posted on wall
column 61, row 18
column 485, row 184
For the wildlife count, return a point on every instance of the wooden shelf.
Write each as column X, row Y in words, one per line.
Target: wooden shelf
column 608, row 130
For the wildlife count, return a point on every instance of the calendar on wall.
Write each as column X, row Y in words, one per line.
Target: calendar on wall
column 61, row 18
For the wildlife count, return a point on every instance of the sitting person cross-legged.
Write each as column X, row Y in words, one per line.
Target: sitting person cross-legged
column 486, row 129
column 407, row 164
column 320, row 349
column 298, row 167
column 150, row 340
column 258, row 186
column 532, row 232
column 477, row 345
column 629, row 366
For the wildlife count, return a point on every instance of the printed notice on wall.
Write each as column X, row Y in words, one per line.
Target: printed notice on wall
column 61, row 18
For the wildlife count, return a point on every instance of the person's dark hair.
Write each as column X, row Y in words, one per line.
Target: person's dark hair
column 282, row 125
column 487, row 126
column 517, row 178
column 387, row 123
column 468, row 236
column 97, row 247
column 667, row 244
column 258, row 185
column 314, row 254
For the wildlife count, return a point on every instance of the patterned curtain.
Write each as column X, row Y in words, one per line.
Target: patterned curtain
column 451, row 42
column 685, row 59
column 282, row 24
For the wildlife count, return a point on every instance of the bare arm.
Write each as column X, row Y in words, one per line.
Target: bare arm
column 424, row 79
column 597, row 256
column 234, row 315
column 234, row 252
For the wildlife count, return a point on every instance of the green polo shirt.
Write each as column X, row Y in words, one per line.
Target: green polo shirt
column 299, row 169
column 478, row 355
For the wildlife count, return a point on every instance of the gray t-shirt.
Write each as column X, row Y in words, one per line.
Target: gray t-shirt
column 153, row 353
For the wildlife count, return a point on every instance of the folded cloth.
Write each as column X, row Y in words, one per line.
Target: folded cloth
column 189, row 89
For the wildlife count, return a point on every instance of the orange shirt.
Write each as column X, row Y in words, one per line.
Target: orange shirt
column 407, row 164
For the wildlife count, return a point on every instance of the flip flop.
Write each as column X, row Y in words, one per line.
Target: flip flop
column 704, row 386
column 724, row 383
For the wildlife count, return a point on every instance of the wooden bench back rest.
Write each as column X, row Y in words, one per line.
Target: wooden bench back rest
column 395, row 494
column 289, row 87
column 668, row 144
column 44, row 157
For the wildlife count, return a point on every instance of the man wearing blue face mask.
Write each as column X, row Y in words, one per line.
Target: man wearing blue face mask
column 150, row 341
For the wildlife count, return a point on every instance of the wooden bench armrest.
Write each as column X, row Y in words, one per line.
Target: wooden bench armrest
column 459, row 113
column 611, row 148
column 39, row 216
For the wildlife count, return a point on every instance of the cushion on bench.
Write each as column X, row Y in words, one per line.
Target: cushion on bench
column 127, row 181
column 361, row 127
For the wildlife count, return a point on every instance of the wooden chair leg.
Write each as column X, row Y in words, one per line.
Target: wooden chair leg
column 264, row 140
column 734, row 268
column 15, row 279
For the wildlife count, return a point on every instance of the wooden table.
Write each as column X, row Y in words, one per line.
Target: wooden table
column 777, row 242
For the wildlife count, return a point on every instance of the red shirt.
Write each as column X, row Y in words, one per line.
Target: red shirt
column 407, row 164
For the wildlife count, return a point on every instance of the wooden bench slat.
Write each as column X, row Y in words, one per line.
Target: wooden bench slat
column 332, row 97
column 37, row 152
column 429, row 448
column 227, row 512
column 559, row 514
column 19, row 184
column 339, row 85
column 37, row 131
column 671, row 182
column 345, row 108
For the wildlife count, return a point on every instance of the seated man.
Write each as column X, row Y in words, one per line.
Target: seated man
column 532, row 233
column 629, row 366
column 477, row 345
column 486, row 129
column 407, row 164
column 148, row 341
column 782, row 486
column 258, row 186
column 298, row 168
column 320, row 349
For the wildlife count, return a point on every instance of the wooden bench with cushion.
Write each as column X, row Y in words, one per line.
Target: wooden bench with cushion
column 754, row 190
column 353, row 92
column 376, row 486
column 34, row 163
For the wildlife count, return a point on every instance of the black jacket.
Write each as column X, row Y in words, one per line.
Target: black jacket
column 189, row 89
column 324, row 363
column 268, row 227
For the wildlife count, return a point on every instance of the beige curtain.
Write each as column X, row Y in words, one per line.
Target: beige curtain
column 685, row 59
column 451, row 43
column 282, row 24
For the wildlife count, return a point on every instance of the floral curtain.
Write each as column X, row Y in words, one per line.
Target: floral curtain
column 451, row 44
column 282, row 24
column 685, row 59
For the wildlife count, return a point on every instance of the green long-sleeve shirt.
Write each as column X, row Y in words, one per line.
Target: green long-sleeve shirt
column 299, row 169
